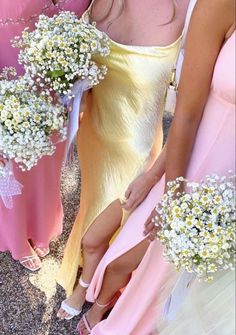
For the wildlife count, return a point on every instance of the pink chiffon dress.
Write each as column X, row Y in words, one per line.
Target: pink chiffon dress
column 37, row 213
column 214, row 152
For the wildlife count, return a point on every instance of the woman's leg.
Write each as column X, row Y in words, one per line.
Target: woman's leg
column 95, row 244
column 117, row 276
column 96, row 240
column 118, row 272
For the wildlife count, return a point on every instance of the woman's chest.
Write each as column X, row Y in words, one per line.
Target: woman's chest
column 136, row 22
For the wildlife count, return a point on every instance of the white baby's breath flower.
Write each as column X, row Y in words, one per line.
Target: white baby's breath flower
column 62, row 50
column 25, row 118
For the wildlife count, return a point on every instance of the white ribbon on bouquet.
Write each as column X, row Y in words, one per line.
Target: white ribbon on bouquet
column 178, row 295
column 9, row 186
column 77, row 91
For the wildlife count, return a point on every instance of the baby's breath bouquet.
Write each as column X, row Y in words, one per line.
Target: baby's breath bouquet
column 59, row 52
column 58, row 55
column 27, row 122
column 199, row 225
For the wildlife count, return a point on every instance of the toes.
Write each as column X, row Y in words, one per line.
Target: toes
column 60, row 313
column 27, row 265
column 81, row 327
column 32, row 264
column 36, row 264
column 41, row 252
column 66, row 315
column 63, row 314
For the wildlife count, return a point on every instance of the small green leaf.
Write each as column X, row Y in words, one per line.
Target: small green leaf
column 55, row 73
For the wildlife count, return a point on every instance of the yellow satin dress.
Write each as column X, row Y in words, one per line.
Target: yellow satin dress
column 120, row 133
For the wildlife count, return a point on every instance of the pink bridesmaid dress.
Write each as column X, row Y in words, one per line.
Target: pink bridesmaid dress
column 214, row 152
column 37, row 213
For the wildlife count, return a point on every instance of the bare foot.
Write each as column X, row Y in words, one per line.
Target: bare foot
column 41, row 252
column 31, row 262
column 94, row 316
column 90, row 320
column 75, row 301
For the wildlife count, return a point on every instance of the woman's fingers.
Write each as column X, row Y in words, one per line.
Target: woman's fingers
column 148, row 227
column 129, row 203
column 139, row 199
column 2, row 162
column 153, row 234
column 128, row 192
column 126, row 197
column 133, row 201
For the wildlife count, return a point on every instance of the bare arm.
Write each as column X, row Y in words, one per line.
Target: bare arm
column 210, row 23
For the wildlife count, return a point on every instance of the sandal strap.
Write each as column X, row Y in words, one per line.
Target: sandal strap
column 108, row 304
column 82, row 283
column 102, row 305
column 86, row 323
column 70, row 310
column 28, row 258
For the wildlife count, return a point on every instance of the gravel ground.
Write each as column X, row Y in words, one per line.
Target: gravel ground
column 28, row 302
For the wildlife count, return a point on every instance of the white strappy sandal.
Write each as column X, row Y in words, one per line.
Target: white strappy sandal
column 25, row 259
column 70, row 310
column 84, row 321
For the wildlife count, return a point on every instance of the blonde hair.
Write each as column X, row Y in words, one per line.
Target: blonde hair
column 121, row 8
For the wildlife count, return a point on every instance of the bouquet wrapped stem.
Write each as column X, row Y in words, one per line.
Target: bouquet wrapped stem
column 73, row 116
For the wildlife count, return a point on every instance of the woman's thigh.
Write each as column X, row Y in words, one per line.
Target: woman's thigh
column 104, row 226
column 130, row 260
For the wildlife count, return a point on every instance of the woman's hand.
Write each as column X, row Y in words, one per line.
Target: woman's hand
column 142, row 185
column 151, row 227
column 138, row 190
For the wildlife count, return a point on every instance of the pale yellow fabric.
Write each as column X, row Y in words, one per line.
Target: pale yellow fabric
column 120, row 132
